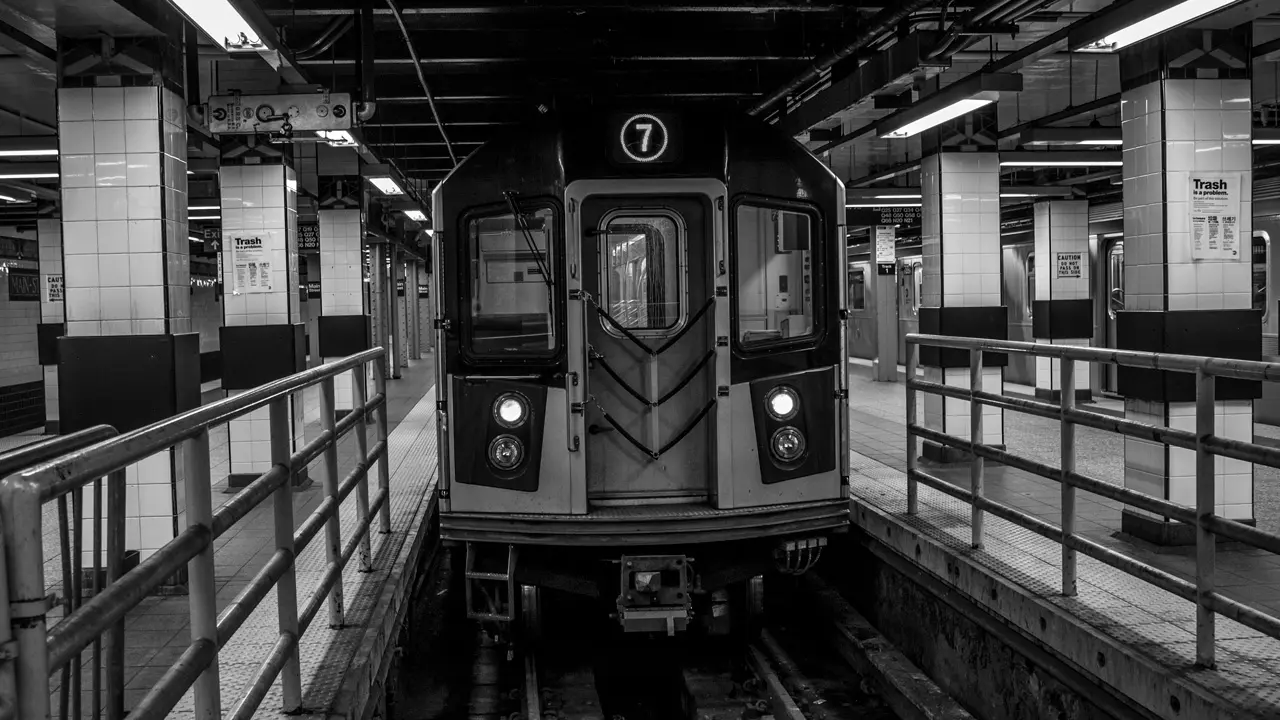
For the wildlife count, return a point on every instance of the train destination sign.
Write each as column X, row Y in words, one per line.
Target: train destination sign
column 646, row 138
column 884, row 215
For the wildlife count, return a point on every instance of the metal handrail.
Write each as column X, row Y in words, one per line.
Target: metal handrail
column 15, row 461
column 22, row 495
column 1203, row 441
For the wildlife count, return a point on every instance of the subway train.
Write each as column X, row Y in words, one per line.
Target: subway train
column 642, row 366
column 1106, row 258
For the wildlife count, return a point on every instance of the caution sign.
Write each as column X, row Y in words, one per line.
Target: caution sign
column 1215, row 216
column 53, row 289
column 1068, row 264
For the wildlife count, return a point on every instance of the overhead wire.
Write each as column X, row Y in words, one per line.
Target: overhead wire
column 417, row 66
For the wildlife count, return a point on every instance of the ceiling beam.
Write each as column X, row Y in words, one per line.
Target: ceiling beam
column 345, row 7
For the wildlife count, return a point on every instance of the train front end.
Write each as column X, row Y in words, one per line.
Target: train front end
column 642, row 379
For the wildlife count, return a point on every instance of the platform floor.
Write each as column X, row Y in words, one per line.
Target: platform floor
column 158, row 630
column 1148, row 620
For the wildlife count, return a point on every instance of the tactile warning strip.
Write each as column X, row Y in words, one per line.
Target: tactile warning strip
column 327, row 653
column 1148, row 621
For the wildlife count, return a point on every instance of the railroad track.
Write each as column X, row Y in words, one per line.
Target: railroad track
column 804, row 666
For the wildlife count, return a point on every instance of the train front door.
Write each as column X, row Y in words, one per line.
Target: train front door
column 647, row 270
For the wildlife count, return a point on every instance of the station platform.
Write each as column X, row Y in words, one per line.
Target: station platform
column 337, row 662
column 1148, row 633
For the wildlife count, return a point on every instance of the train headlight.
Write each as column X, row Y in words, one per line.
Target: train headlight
column 782, row 403
column 505, row 452
column 510, row 410
column 788, row 444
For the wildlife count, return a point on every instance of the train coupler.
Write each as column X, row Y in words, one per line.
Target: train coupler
column 654, row 594
column 796, row 557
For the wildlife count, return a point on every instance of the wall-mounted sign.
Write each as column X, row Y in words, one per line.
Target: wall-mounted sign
column 308, row 237
column 1068, row 264
column 1215, row 216
column 646, row 138
column 865, row 217
column 423, row 291
column 886, row 237
column 313, row 289
column 400, row 287
column 24, row 285
column 53, row 290
column 250, row 266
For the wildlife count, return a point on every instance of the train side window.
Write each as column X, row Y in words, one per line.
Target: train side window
column 1115, row 278
column 775, row 274
column 643, row 272
column 917, row 283
column 858, row 288
column 511, row 308
column 1261, row 250
column 1031, row 282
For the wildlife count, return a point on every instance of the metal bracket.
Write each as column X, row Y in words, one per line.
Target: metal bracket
column 442, row 324
column 722, row 291
column 442, row 406
column 575, row 293
column 722, row 341
column 722, row 391
column 577, row 408
column 23, row 609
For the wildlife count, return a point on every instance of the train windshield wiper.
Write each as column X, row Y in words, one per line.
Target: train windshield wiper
column 523, row 224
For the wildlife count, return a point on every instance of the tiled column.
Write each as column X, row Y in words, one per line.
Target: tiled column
column 52, row 315
column 129, row 357
column 263, row 334
column 401, row 309
column 344, row 324
column 960, row 238
column 1185, row 112
column 426, row 315
column 1062, row 310
column 313, row 306
column 414, row 321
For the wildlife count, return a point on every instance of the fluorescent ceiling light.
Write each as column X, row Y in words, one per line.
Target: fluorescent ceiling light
column 1179, row 14
column 337, row 138
column 202, row 207
column 6, row 198
column 898, row 197
column 416, row 215
column 937, row 117
column 220, row 20
column 193, row 238
column 1266, row 136
column 387, row 186
column 1066, row 158
column 880, row 205
column 28, row 176
column 39, row 152
column 29, row 146
column 1017, row 195
column 1266, row 141
column 1061, row 163
column 1102, row 141
column 204, row 217
column 1070, row 136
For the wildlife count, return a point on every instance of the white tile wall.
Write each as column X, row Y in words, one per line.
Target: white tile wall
column 125, row 253
column 1171, row 129
column 342, row 278
column 19, row 357
column 1049, row 370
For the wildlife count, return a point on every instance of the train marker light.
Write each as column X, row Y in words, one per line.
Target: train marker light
column 788, row 444
column 510, row 410
column 782, row 403
column 505, row 452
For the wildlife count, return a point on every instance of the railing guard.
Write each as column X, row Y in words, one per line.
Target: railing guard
column 23, row 494
column 1203, row 441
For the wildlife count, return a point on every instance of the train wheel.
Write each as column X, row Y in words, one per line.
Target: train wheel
column 531, row 614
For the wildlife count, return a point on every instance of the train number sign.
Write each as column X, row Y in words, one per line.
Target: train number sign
column 644, row 138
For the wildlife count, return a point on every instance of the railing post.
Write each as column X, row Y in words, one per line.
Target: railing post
column 24, row 549
column 287, row 587
column 1205, row 502
column 333, row 526
column 913, row 489
column 359, row 396
column 384, row 462
column 1068, row 402
column 975, row 439
column 116, row 508
column 200, row 576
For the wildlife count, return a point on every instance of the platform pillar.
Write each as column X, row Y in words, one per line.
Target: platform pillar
column 1062, row 305
column 263, row 335
column 127, row 357
column 960, row 242
column 1186, row 124
column 52, row 315
column 414, row 319
column 344, row 324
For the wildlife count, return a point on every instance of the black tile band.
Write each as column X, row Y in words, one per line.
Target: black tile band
column 343, row 335
column 1235, row 334
column 254, row 355
column 991, row 323
column 47, row 335
column 1062, row 319
column 126, row 381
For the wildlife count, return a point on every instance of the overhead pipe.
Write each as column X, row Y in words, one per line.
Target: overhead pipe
column 417, row 66
column 329, row 36
column 884, row 21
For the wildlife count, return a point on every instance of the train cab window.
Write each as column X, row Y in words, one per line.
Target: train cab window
column 858, row 288
column 642, row 271
column 1115, row 278
column 1261, row 249
column 511, row 306
column 1030, row 293
column 775, row 274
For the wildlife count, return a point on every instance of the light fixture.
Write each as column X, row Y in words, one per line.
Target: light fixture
column 905, row 196
column 204, row 217
column 44, row 152
column 880, row 205
column 6, row 198
column 948, row 103
column 202, row 207
column 1138, row 21
column 1266, row 136
column 29, row 146
column 1065, row 158
column 1071, row 136
column 223, row 23
column 337, row 138
column 416, row 215
column 1036, row 191
column 27, row 175
column 383, row 177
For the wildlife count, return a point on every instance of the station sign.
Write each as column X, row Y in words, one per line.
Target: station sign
column 885, row 215
column 24, row 285
column 646, row 138
column 313, row 289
